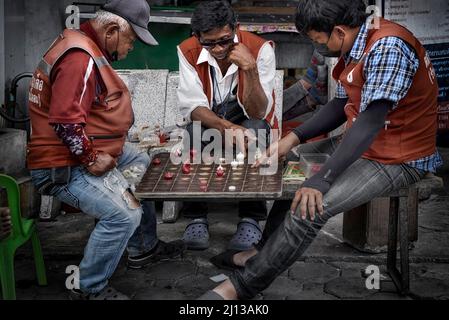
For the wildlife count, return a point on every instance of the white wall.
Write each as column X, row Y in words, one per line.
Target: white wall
column 44, row 21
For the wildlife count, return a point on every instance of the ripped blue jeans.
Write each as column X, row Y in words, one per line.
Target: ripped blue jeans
column 123, row 223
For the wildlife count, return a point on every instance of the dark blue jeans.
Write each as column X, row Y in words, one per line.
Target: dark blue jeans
column 286, row 237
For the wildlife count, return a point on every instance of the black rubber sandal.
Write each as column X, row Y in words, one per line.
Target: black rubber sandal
column 224, row 260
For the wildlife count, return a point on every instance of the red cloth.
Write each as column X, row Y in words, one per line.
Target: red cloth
column 74, row 86
column 109, row 118
column 411, row 127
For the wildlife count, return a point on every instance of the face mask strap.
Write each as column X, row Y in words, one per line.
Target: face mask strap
column 323, row 49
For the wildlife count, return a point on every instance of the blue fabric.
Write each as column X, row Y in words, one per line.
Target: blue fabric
column 120, row 226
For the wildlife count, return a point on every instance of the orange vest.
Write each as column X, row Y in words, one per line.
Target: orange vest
column 410, row 131
column 191, row 49
column 107, row 123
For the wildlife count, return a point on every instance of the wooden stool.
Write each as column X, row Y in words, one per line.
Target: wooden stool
column 399, row 219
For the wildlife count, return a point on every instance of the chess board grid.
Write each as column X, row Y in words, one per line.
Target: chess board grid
column 147, row 191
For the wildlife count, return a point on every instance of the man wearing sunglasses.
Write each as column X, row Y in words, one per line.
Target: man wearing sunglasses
column 227, row 83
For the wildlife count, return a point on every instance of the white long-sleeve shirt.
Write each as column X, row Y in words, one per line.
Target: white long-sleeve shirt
column 191, row 94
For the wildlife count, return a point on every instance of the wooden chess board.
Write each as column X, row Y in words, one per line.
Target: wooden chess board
column 248, row 182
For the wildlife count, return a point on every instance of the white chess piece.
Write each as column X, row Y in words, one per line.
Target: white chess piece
column 234, row 164
column 258, row 154
column 241, row 158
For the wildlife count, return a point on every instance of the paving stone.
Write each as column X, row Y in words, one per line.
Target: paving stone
column 433, row 229
column 439, row 219
column 130, row 282
column 155, row 293
column 170, row 270
column 311, row 292
column 67, row 236
column 429, row 288
column 195, row 286
column 348, row 288
column 354, row 269
column 280, row 288
column 200, row 259
column 64, row 241
column 313, row 272
column 349, row 269
column 430, row 184
column 430, row 270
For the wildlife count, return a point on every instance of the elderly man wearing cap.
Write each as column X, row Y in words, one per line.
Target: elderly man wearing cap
column 80, row 115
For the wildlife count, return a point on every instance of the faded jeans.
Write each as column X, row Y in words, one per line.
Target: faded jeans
column 286, row 237
column 119, row 225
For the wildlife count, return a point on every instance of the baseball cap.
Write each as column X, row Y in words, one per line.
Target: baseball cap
column 137, row 13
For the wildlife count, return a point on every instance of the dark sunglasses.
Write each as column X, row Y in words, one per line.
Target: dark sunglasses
column 221, row 43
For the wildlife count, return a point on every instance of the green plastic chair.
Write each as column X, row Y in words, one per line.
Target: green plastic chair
column 22, row 231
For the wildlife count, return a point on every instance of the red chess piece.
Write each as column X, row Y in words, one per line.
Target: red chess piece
column 156, row 161
column 220, row 172
column 162, row 138
column 186, row 168
column 203, row 188
column 168, row 176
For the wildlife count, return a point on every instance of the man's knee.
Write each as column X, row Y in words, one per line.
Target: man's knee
column 144, row 159
column 126, row 217
column 132, row 219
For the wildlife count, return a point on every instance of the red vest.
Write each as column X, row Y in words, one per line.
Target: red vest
column 411, row 128
column 191, row 49
column 108, row 121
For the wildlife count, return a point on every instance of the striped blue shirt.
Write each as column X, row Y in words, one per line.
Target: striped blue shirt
column 389, row 69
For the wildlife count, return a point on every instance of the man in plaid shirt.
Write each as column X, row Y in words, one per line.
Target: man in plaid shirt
column 387, row 96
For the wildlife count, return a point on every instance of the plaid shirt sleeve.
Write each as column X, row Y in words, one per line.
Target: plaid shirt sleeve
column 389, row 70
column 340, row 92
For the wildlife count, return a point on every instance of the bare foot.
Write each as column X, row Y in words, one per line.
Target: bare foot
column 240, row 258
column 226, row 290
